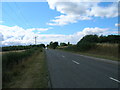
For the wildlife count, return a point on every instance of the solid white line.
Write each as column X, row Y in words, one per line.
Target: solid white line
column 75, row 62
column 114, row 79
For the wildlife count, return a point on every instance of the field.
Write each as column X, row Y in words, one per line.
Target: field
column 100, row 50
column 26, row 69
column 12, row 51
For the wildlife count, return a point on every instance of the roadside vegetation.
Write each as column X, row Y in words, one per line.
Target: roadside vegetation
column 20, row 47
column 93, row 45
column 26, row 69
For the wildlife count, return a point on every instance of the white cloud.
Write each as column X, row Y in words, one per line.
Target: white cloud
column 73, row 11
column 95, row 30
column 66, row 19
column 110, row 11
column 39, row 29
column 18, row 36
column 1, row 37
column 117, row 25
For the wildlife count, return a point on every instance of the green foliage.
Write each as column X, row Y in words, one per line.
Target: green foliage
column 113, row 38
column 68, row 43
column 11, row 58
column 71, row 48
column 90, row 39
column 14, row 58
column 84, row 46
column 48, row 45
column 10, row 48
column 53, row 45
column 101, row 39
column 41, row 45
column 63, row 44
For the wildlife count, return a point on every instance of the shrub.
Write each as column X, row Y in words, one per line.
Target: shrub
column 86, row 46
column 71, row 48
column 12, row 58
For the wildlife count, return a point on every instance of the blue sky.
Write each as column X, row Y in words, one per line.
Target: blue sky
column 56, row 21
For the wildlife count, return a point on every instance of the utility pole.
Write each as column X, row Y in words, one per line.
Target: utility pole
column 35, row 40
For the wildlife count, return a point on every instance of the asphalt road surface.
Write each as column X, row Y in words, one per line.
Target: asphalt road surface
column 69, row 70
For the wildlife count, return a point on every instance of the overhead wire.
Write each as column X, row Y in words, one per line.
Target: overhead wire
column 20, row 16
column 25, row 20
column 5, row 12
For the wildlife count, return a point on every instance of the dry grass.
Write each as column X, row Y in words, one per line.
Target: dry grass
column 12, row 51
column 106, row 50
column 103, row 50
column 32, row 73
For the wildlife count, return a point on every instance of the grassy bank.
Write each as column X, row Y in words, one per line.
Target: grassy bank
column 100, row 50
column 30, row 73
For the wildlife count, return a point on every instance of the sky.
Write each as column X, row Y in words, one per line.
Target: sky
column 56, row 21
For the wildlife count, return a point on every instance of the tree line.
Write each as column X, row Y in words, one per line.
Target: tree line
column 88, row 41
column 20, row 47
column 101, row 39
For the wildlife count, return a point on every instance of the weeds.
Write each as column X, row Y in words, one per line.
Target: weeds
column 9, row 60
column 105, row 50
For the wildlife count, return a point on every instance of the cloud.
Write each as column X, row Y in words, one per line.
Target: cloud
column 74, row 11
column 95, row 30
column 117, row 25
column 108, row 12
column 1, row 37
column 39, row 29
column 19, row 36
column 66, row 19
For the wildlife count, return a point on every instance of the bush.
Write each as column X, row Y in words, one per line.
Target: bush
column 71, row 48
column 12, row 58
column 86, row 46
column 53, row 45
column 11, row 48
column 90, row 39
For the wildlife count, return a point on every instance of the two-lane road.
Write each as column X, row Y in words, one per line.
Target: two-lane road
column 68, row 70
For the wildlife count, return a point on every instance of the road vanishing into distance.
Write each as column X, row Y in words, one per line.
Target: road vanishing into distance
column 69, row 70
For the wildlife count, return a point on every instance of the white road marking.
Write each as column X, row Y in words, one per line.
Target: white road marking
column 63, row 56
column 75, row 62
column 114, row 79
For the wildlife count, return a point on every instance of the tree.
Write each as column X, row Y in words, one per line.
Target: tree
column 51, row 42
column 53, row 45
column 103, row 39
column 63, row 44
column 90, row 39
column 41, row 45
column 48, row 45
column 68, row 43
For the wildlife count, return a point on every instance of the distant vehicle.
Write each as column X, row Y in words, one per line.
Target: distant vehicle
column 46, row 48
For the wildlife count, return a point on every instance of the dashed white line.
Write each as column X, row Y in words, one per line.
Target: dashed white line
column 63, row 56
column 114, row 79
column 75, row 62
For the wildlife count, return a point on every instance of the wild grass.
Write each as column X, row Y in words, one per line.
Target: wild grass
column 109, row 51
column 101, row 50
column 32, row 73
column 13, row 59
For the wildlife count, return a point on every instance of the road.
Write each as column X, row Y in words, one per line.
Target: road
column 69, row 70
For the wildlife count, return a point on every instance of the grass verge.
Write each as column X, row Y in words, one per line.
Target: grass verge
column 31, row 73
column 105, row 51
